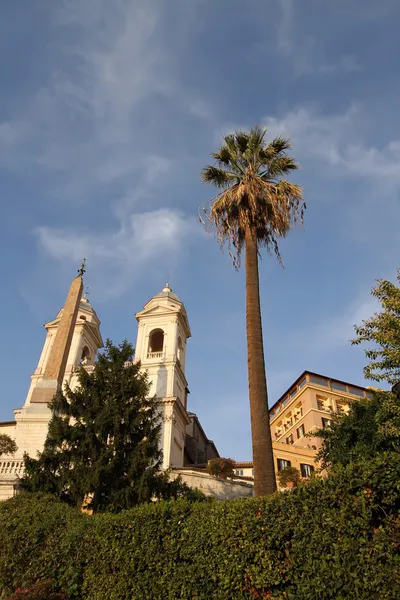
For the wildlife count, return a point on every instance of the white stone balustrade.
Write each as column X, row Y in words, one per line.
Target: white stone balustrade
column 11, row 467
column 155, row 355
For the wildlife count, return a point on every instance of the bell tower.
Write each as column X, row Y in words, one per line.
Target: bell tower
column 163, row 330
column 72, row 338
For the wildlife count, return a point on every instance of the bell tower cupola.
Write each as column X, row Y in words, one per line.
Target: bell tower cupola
column 163, row 330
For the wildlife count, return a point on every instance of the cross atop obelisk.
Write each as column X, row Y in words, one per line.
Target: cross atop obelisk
column 55, row 367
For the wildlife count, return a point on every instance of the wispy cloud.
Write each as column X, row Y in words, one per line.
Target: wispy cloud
column 329, row 332
column 301, row 48
column 147, row 238
column 336, row 140
column 95, row 133
column 90, row 123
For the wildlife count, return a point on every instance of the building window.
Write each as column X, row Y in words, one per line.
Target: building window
column 322, row 403
column 156, row 341
column 239, row 472
column 341, row 407
column 298, row 411
column 301, row 431
column 326, row 423
column 289, row 439
column 180, row 349
column 306, row 470
column 356, row 391
column 302, row 383
column 318, row 381
column 283, row 463
column 338, row 386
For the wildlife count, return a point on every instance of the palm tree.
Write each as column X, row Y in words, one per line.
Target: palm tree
column 254, row 208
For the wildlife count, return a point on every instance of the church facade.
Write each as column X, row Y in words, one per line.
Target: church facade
column 73, row 339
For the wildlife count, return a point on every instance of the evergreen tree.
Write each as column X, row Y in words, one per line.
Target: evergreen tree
column 383, row 330
column 103, row 439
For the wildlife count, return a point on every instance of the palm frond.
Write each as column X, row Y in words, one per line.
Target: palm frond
column 231, row 146
column 280, row 144
column 255, row 144
column 279, row 166
column 223, row 156
column 242, row 139
column 225, row 159
column 218, row 177
column 253, row 196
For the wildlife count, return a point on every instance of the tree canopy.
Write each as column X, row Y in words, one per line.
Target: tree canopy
column 383, row 331
column 103, row 440
column 253, row 195
column 371, row 426
column 221, row 467
column 7, row 445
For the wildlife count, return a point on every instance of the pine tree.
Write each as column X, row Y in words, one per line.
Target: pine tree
column 103, row 439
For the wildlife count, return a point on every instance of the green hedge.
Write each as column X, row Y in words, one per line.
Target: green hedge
column 334, row 539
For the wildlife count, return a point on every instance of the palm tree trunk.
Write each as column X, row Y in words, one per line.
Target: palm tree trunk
column 263, row 461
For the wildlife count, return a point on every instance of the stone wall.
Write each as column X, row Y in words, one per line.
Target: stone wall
column 221, row 489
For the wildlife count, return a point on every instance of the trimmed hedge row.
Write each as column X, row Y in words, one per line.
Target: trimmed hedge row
column 331, row 539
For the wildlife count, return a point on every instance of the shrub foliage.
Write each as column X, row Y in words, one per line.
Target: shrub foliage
column 289, row 475
column 221, row 467
column 336, row 538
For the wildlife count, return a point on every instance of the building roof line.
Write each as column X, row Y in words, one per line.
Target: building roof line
column 304, row 373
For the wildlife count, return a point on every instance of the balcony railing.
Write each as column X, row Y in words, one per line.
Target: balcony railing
column 155, row 354
column 11, row 468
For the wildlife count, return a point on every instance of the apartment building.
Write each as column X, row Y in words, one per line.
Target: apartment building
column 307, row 405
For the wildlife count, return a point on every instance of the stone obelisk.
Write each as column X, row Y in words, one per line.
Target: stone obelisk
column 55, row 368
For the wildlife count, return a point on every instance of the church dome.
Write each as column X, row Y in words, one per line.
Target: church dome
column 166, row 292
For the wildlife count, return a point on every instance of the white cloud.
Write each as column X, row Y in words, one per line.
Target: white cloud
column 336, row 140
column 143, row 239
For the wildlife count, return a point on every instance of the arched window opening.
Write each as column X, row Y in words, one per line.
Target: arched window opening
column 180, row 349
column 85, row 356
column 156, row 343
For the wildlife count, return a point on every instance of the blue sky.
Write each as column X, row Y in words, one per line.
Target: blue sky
column 110, row 108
